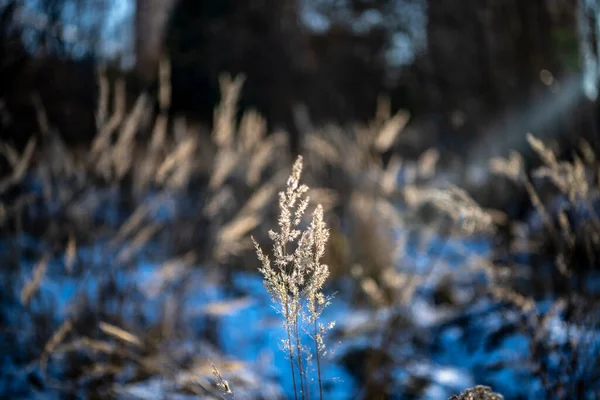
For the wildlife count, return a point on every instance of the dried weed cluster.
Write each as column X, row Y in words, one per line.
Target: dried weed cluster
column 74, row 194
column 239, row 168
column 564, row 236
column 478, row 393
column 565, row 196
column 296, row 280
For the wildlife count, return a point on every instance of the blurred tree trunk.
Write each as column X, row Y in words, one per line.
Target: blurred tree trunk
column 151, row 18
column 264, row 40
column 484, row 61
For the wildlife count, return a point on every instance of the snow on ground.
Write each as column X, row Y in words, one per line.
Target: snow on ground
column 244, row 325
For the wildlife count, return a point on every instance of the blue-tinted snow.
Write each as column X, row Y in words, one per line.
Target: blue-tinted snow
column 457, row 358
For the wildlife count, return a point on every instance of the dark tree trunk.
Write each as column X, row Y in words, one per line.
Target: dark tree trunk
column 151, row 18
column 483, row 64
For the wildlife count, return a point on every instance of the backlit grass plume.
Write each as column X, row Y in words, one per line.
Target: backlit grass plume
column 296, row 279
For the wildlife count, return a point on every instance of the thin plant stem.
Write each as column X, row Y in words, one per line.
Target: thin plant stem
column 318, row 357
column 291, row 353
column 287, row 283
column 289, row 334
column 299, row 356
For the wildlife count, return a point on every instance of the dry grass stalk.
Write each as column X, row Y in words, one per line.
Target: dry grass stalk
column 143, row 173
column 315, row 144
column 373, row 291
column 427, row 163
column 123, row 149
column 54, row 341
column 227, row 160
column 103, row 95
column 373, row 246
column 164, row 80
column 571, row 179
column 181, row 177
column 262, row 195
column 260, row 198
column 455, row 203
column 327, row 198
column 384, row 109
column 219, row 201
column 224, row 115
column 86, row 343
column 106, row 128
column 180, row 155
column 170, row 271
column 261, row 157
column 147, row 171
column 33, row 284
column 297, row 279
column 253, row 128
column 61, row 160
column 387, row 135
column 539, row 207
column 159, row 134
column 229, row 307
column 589, row 156
column 542, row 151
column 221, row 383
column 353, row 155
column 478, row 393
column 389, row 177
column 70, row 254
column 10, row 153
column 511, row 168
column 42, row 117
column 24, row 161
column 232, row 233
column 20, row 164
column 525, row 304
column 120, row 334
column 139, row 240
column 566, row 229
column 133, row 223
